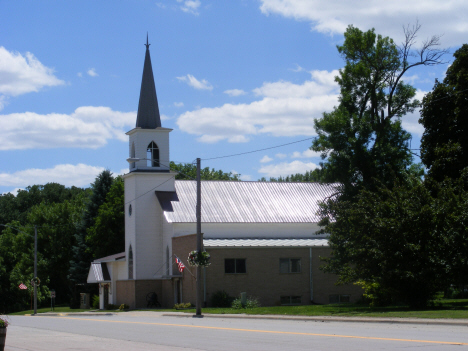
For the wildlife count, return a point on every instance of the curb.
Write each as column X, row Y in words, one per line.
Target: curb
column 79, row 314
column 463, row 322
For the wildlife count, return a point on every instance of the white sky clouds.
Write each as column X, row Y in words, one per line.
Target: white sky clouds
column 285, row 109
column 190, row 6
column 86, row 127
column 305, row 154
column 80, row 175
column 387, row 17
column 23, row 74
column 285, row 168
column 195, row 83
column 92, row 72
column 235, row 92
column 266, row 159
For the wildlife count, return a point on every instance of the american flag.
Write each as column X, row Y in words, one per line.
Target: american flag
column 179, row 264
column 22, row 287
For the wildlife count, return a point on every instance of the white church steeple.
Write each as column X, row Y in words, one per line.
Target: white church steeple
column 149, row 141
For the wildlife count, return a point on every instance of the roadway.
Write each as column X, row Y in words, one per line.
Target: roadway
column 154, row 331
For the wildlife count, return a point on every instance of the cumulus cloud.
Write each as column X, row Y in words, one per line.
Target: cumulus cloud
column 387, row 17
column 285, row 168
column 92, row 72
column 266, row 159
column 305, row 154
column 86, row 127
column 78, row 175
column 23, row 74
column 190, row 6
column 281, row 156
column 195, row 83
column 178, row 104
column 235, row 92
column 283, row 109
column 410, row 121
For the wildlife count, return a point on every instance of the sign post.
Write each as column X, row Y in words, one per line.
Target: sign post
column 52, row 298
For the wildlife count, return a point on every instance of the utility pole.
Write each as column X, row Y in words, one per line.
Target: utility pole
column 199, row 241
column 35, row 269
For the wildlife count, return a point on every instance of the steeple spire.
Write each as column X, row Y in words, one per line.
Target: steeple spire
column 148, row 110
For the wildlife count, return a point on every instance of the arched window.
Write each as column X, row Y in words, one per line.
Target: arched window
column 133, row 155
column 130, row 263
column 152, row 153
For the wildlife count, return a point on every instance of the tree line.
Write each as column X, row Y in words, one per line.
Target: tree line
column 74, row 227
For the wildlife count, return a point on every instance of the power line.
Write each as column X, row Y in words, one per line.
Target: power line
column 250, row 152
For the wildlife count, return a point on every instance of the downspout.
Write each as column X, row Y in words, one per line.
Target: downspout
column 311, row 281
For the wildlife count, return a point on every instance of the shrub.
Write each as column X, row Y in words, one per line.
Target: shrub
column 124, row 307
column 95, row 303
column 181, row 305
column 111, row 306
column 251, row 302
column 221, row 299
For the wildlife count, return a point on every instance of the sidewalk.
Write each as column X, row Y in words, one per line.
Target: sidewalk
column 459, row 322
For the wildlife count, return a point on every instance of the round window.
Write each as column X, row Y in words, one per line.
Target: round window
column 130, row 209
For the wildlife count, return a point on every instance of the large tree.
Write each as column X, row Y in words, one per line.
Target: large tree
column 107, row 235
column 362, row 139
column 188, row 171
column 444, row 115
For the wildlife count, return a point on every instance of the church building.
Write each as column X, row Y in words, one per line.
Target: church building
column 260, row 235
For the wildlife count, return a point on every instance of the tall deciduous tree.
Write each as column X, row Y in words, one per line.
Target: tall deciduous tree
column 82, row 255
column 444, row 115
column 107, row 235
column 188, row 171
column 362, row 138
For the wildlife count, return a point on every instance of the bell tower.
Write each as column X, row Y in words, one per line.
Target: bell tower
column 149, row 172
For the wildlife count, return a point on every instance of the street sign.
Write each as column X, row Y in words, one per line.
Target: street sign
column 52, row 293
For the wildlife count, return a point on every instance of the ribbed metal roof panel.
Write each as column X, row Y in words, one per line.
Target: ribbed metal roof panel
column 250, row 202
column 264, row 242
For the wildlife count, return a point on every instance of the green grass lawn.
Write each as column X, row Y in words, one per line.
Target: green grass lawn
column 442, row 308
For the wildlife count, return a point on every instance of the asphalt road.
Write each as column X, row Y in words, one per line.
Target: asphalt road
column 152, row 331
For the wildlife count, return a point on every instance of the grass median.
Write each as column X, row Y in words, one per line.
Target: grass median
column 443, row 308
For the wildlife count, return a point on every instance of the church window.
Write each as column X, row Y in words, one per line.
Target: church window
column 152, row 154
column 235, row 266
column 130, row 210
column 130, row 263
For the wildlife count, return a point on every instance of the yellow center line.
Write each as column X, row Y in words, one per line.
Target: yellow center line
column 273, row 332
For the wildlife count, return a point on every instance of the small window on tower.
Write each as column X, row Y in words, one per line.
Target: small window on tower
column 152, row 154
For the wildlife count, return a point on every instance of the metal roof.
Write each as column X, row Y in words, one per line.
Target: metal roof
column 249, row 202
column 98, row 273
column 264, row 242
column 111, row 258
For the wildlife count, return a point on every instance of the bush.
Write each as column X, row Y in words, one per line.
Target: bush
column 251, row 302
column 95, row 302
column 124, row 307
column 181, row 305
column 221, row 299
column 111, row 306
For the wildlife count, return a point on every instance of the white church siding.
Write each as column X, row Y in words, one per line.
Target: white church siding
column 144, row 230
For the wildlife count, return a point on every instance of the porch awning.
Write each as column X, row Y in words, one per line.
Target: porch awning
column 98, row 273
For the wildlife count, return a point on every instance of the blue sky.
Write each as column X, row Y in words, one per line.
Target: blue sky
column 231, row 76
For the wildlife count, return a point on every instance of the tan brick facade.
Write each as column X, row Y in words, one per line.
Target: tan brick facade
column 263, row 278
